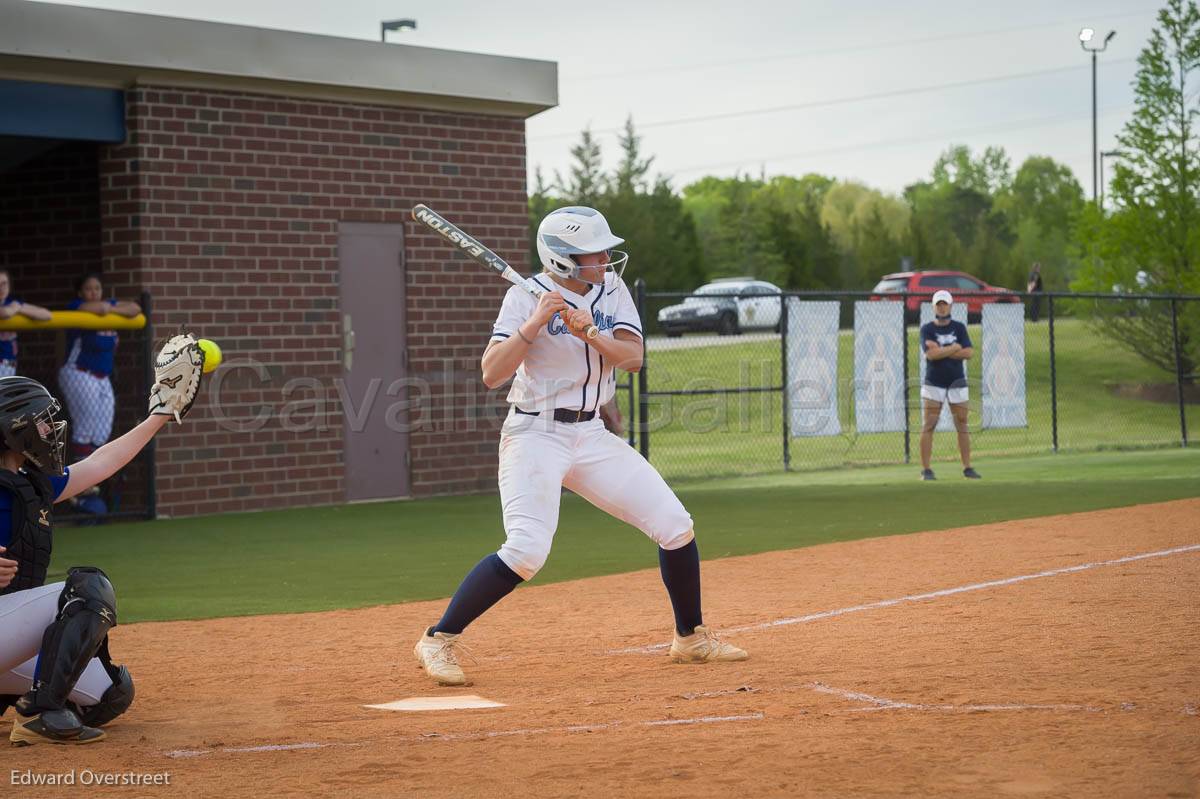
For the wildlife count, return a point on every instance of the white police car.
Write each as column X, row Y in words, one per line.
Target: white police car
column 727, row 306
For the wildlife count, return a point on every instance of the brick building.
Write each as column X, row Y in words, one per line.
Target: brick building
column 256, row 185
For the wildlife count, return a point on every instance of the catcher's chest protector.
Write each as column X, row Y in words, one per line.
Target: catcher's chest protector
column 31, row 531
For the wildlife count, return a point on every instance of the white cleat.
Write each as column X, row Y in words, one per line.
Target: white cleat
column 438, row 655
column 703, row 646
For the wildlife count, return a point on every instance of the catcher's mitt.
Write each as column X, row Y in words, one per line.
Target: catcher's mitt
column 177, row 372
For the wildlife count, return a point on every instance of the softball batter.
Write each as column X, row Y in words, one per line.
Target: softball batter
column 553, row 437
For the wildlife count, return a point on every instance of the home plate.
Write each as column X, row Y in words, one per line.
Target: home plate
column 468, row 702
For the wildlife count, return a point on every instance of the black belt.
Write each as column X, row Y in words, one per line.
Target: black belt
column 562, row 415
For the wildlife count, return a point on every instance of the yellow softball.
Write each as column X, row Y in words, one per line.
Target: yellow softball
column 212, row 354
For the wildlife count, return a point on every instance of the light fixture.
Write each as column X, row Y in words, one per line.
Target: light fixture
column 395, row 25
column 1085, row 36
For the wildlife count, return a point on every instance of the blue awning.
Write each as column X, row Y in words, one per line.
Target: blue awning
column 59, row 111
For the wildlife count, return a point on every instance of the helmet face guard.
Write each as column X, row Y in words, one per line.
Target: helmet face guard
column 43, row 439
column 30, row 424
column 615, row 268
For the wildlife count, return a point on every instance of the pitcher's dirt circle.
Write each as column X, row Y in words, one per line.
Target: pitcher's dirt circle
column 1035, row 679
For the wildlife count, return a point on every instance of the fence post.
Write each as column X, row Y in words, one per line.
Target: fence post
column 1178, row 371
column 905, row 381
column 1053, row 374
column 148, row 355
column 783, row 365
column 639, row 287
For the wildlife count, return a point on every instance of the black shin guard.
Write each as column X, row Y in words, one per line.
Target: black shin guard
column 116, row 699
column 87, row 610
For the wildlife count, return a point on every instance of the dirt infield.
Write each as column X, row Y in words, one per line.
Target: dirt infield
column 1066, row 665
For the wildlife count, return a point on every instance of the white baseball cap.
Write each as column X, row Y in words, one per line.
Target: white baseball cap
column 942, row 296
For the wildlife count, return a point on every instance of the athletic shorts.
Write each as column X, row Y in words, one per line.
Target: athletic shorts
column 955, row 396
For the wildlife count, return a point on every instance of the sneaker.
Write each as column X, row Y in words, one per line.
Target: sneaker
column 52, row 727
column 437, row 653
column 927, row 474
column 971, row 474
column 703, row 646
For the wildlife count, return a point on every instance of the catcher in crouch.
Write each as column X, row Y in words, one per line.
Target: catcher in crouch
column 55, row 669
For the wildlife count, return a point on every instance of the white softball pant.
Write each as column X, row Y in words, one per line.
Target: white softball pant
column 90, row 402
column 24, row 617
column 538, row 456
column 7, row 369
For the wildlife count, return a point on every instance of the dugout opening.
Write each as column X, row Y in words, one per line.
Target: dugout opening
column 56, row 224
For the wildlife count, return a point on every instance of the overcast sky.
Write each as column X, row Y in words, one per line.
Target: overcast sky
column 870, row 77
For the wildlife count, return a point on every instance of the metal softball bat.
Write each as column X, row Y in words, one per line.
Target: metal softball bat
column 472, row 247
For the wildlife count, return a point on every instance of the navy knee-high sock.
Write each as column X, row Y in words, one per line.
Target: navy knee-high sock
column 490, row 581
column 681, row 575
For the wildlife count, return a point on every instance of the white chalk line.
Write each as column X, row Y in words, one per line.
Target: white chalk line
column 858, row 696
column 880, row 703
column 705, row 720
column 979, row 708
column 887, row 603
column 469, row 736
column 184, row 753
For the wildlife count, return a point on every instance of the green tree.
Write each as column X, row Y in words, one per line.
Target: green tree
column 633, row 170
column 766, row 229
column 870, row 230
column 585, row 179
column 955, row 222
column 730, row 227
column 1042, row 205
column 1151, row 241
column 807, row 254
column 660, row 236
column 988, row 174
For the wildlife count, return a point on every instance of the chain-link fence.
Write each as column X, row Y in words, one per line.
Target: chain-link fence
column 102, row 379
column 1093, row 372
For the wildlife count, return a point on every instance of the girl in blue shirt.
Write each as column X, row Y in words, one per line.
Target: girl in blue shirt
column 10, row 306
column 946, row 344
column 85, row 377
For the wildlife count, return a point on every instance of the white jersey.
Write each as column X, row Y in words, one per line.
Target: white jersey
column 560, row 370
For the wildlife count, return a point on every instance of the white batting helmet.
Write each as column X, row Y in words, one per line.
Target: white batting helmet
column 574, row 230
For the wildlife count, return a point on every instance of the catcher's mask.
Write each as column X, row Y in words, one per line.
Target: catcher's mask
column 29, row 424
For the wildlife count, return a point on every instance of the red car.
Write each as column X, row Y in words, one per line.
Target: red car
column 921, row 285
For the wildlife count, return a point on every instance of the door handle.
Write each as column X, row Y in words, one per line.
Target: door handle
column 347, row 343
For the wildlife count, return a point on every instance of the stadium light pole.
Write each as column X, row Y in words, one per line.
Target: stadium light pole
column 395, row 25
column 1103, row 185
column 1085, row 37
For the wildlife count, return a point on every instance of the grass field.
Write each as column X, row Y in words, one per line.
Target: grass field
column 699, row 437
column 357, row 555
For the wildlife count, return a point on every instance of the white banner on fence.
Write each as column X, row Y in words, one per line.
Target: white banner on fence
column 1004, row 365
column 879, row 367
column 959, row 314
column 812, row 346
